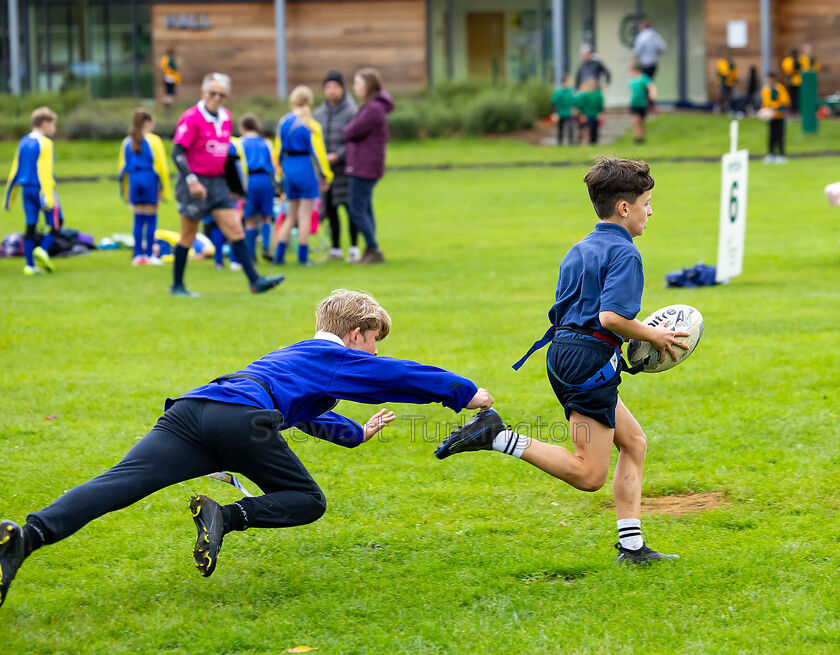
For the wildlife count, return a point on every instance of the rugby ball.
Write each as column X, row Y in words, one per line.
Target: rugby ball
column 766, row 113
column 680, row 318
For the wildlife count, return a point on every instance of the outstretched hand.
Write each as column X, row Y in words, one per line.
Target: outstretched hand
column 481, row 400
column 377, row 422
column 664, row 341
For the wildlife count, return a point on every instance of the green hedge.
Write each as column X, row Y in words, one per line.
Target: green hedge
column 498, row 113
column 404, row 124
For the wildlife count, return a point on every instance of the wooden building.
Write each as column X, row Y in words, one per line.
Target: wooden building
column 114, row 46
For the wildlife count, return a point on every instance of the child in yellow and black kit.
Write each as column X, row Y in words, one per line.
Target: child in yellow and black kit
column 728, row 74
column 775, row 98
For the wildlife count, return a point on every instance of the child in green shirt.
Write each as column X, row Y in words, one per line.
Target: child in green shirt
column 590, row 102
column 642, row 94
column 563, row 100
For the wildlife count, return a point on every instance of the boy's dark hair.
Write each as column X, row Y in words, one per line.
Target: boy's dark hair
column 250, row 122
column 612, row 180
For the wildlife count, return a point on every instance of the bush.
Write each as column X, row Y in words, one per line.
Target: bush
column 82, row 125
column 438, row 121
column 538, row 95
column 457, row 94
column 14, row 127
column 404, row 124
column 61, row 103
column 495, row 112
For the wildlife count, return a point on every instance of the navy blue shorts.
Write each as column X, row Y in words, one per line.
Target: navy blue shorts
column 260, row 198
column 575, row 358
column 299, row 179
column 143, row 188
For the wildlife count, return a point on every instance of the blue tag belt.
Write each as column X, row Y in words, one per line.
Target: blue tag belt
column 597, row 379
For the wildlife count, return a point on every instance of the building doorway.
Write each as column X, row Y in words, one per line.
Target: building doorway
column 486, row 45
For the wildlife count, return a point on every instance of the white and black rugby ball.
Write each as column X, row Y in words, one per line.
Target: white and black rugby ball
column 680, row 318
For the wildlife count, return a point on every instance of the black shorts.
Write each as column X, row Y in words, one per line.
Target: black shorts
column 575, row 358
column 639, row 111
column 169, row 88
column 218, row 197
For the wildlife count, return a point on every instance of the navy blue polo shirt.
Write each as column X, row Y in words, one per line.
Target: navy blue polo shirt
column 602, row 272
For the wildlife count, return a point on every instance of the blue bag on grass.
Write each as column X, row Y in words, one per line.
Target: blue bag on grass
column 698, row 275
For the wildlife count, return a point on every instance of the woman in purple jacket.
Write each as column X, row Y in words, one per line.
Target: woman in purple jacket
column 367, row 136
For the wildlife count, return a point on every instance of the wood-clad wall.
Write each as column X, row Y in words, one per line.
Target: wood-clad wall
column 240, row 43
column 347, row 36
column 816, row 22
column 387, row 34
column 794, row 22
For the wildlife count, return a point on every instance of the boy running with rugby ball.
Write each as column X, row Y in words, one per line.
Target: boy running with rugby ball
column 599, row 293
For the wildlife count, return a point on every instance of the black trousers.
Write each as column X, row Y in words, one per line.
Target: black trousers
column 794, row 99
column 335, row 224
column 592, row 124
column 193, row 438
column 777, row 136
column 565, row 126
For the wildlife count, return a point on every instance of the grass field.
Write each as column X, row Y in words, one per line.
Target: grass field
column 674, row 135
column 479, row 553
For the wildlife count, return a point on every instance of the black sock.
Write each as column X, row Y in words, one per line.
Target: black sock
column 234, row 517
column 243, row 255
column 180, row 264
column 33, row 539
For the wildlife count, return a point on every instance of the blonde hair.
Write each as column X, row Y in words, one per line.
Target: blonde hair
column 343, row 311
column 301, row 100
column 43, row 115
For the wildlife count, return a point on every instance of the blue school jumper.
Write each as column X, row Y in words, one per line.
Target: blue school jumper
column 234, row 425
column 308, row 378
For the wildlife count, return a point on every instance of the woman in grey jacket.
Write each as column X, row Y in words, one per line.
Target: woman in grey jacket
column 337, row 110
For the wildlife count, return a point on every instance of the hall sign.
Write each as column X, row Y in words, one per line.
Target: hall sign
column 194, row 22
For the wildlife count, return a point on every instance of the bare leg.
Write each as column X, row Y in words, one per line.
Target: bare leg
column 285, row 232
column 627, row 479
column 585, row 469
column 189, row 228
column 229, row 223
column 304, row 219
column 638, row 129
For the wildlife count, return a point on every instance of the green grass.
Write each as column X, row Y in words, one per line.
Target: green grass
column 480, row 553
column 669, row 136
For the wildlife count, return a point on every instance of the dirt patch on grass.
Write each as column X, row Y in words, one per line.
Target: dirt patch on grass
column 683, row 504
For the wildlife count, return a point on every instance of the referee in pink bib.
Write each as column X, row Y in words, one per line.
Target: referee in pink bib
column 202, row 144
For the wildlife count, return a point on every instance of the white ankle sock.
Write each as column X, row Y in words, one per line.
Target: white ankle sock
column 630, row 533
column 511, row 443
